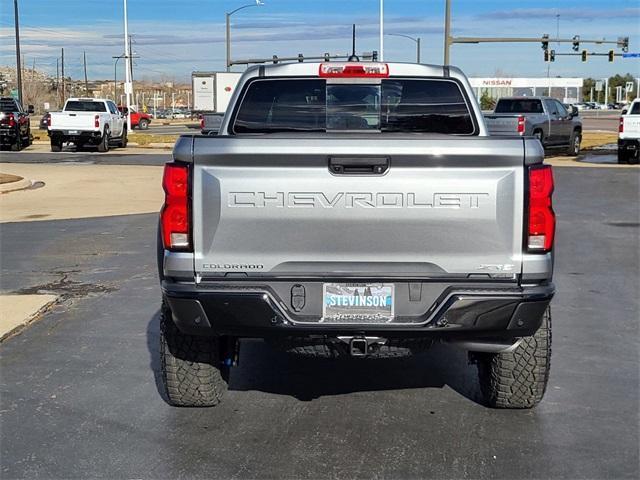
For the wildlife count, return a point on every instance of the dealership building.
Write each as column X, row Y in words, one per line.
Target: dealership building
column 567, row 90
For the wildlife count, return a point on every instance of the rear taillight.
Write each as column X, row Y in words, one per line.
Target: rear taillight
column 11, row 120
column 354, row 70
column 47, row 119
column 175, row 216
column 96, row 121
column 541, row 218
column 201, row 122
column 621, row 125
column 521, row 121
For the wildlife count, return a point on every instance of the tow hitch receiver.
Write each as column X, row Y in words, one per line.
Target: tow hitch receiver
column 362, row 346
column 358, row 347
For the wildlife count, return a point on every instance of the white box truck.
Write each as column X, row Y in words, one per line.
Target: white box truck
column 212, row 90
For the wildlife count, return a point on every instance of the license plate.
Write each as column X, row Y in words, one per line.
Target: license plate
column 73, row 132
column 357, row 302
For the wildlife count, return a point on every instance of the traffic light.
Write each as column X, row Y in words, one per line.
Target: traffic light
column 611, row 55
column 623, row 43
column 576, row 43
column 552, row 55
column 584, row 55
column 545, row 42
column 546, row 55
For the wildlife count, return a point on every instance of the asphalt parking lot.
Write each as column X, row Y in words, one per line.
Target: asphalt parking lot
column 81, row 398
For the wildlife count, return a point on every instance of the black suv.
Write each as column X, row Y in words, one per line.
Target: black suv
column 15, row 131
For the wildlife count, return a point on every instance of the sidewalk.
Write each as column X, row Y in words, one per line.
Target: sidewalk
column 69, row 191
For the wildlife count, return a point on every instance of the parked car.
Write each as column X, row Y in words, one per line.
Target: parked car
column 210, row 123
column 44, row 121
column 15, row 130
column 357, row 209
column 139, row 120
column 88, row 121
column 544, row 118
column 177, row 113
column 629, row 134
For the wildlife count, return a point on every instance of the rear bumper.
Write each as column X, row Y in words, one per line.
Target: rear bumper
column 77, row 135
column 259, row 311
column 629, row 144
column 8, row 136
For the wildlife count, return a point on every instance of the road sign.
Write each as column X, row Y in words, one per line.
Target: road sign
column 598, row 85
column 631, row 55
column 629, row 86
column 14, row 93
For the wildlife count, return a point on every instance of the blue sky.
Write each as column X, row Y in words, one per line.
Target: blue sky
column 174, row 37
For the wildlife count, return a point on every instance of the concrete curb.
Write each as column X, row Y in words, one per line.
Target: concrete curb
column 14, row 186
column 16, row 325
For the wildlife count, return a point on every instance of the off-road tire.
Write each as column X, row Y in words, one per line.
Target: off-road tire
column 56, row 145
column 17, row 145
column 103, row 146
column 574, row 144
column 623, row 156
column 518, row 379
column 123, row 139
column 191, row 370
column 143, row 124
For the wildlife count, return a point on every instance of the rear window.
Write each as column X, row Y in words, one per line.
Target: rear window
column 8, row 105
column 635, row 109
column 315, row 105
column 84, row 106
column 519, row 106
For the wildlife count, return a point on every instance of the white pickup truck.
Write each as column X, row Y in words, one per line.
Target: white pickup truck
column 88, row 121
column 629, row 134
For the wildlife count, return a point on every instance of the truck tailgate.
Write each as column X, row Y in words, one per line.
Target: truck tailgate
column 73, row 121
column 499, row 124
column 271, row 206
column 631, row 126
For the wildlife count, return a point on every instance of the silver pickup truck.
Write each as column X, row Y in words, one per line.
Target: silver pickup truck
column 551, row 122
column 357, row 209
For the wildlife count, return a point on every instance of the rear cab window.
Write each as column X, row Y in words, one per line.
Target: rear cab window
column 84, row 106
column 635, row 109
column 519, row 105
column 9, row 105
column 321, row 105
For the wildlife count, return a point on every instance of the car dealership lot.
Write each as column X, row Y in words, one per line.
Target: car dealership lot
column 80, row 393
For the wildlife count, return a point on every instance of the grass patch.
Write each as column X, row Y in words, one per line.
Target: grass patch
column 595, row 139
column 144, row 139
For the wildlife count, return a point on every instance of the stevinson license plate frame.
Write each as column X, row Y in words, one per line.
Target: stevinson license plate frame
column 360, row 303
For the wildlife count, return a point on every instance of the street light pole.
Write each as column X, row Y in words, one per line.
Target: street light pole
column 18, row 62
column 381, row 30
column 416, row 40
column 228, row 28
column 128, row 87
column 447, row 30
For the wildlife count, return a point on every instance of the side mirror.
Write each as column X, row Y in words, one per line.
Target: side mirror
column 574, row 111
column 624, row 112
column 30, row 109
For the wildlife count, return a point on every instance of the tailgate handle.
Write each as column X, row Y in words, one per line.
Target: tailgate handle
column 358, row 165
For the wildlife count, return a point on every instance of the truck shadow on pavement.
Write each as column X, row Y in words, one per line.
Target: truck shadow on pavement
column 261, row 368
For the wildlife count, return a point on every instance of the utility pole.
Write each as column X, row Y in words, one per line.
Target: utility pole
column 58, row 79
column 86, row 83
column 131, row 60
column 18, row 64
column 381, row 30
column 63, row 85
column 128, row 87
column 447, row 31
